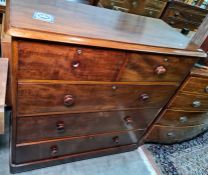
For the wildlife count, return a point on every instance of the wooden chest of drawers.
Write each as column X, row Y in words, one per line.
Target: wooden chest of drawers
column 187, row 113
column 181, row 15
column 151, row 8
column 84, row 92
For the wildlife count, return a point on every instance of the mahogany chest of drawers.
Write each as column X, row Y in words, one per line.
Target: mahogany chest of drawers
column 151, row 8
column 88, row 85
column 181, row 15
column 186, row 116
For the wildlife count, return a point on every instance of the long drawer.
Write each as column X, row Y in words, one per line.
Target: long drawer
column 44, row 61
column 182, row 118
column 69, row 125
column 63, row 97
column 168, row 134
column 190, row 102
column 58, row 148
column 196, row 85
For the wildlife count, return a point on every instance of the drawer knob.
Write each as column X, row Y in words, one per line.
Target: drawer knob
column 170, row 134
column 68, row 100
column 144, row 97
column 160, row 70
column 183, row 119
column 60, row 126
column 177, row 14
column 206, row 89
column 196, row 104
column 75, row 64
column 116, row 139
column 128, row 120
column 79, row 51
column 54, row 150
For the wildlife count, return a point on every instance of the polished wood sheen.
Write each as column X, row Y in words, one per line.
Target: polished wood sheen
column 196, row 85
column 105, row 29
column 144, row 67
column 58, row 148
column 34, row 98
column 190, row 102
column 168, row 134
column 84, row 63
column 43, row 61
column 182, row 118
column 70, row 125
column 91, row 82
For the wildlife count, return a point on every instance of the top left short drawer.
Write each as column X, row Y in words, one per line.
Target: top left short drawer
column 51, row 61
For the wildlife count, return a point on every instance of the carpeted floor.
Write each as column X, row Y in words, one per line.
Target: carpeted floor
column 187, row 158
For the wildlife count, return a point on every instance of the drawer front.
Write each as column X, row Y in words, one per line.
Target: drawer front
column 184, row 14
column 70, row 125
column 65, row 62
column 55, row 149
column 174, row 22
column 196, row 85
column 181, row 118
column 167, row 134
column 190, row 102
column 46, row 98
column 147, row 67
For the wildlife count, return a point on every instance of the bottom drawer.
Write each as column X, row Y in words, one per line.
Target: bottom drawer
column 165, row 134
column 54, row 149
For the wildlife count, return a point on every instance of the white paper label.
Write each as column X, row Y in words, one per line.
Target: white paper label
column 43, row 17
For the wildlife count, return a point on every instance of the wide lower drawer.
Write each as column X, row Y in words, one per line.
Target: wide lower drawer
column 196, row 85
column 68, row 125
column 190, row 102
column 181, row 118
column 58, row 148
column 167, row 134
column 63, row 97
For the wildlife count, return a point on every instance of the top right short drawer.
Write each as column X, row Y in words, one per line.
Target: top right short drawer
column 196, row 85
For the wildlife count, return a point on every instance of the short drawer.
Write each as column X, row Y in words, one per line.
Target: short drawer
column 148, row 67
column 167, row 134
column 39, row 60
column 190, row 102
column 181, row 118
column 69, row 125
column 62, row 97
column 196, row 85
column 59, row 148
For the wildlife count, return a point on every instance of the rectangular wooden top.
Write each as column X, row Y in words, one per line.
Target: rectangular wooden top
column 63, row 21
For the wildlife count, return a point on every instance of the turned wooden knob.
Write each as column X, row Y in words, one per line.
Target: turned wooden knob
column 160, row 70
column 144, row 97
column 128, row 120
column 75, row 64
column 54, row 150
column 68, row 100
column 196, row 104
column 60, row 126
column 116, row 139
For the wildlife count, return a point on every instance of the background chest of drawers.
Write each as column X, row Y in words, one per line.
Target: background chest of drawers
column 151, row 8
column 187, row 114
column 181, row 15
column 84, row 92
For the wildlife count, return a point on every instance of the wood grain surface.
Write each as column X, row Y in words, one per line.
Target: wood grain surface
column 70, row 125
column 88, row 25
column 49, row 97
